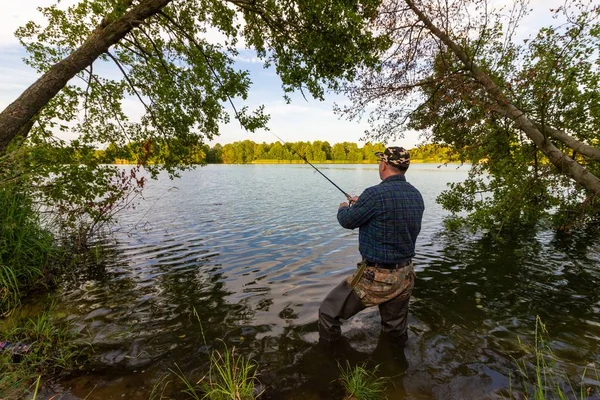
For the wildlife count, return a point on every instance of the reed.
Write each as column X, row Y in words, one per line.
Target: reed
column 25, row 247
column 361, row 383
column 542, row 379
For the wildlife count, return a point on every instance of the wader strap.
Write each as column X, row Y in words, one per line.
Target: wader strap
column 358, row 275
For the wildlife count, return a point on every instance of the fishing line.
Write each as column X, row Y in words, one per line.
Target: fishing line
column 281, row 140
column 316, row 169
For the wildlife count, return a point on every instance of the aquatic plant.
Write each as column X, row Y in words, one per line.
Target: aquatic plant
column 35, row 348
column 361, row 383
column 230, row 377
column 544, row 380
column 160, row 387
column 25, row 247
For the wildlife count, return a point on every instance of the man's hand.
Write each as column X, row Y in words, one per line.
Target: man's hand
column 351, row 200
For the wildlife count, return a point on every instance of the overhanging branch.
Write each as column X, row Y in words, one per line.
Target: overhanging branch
column 560, row 160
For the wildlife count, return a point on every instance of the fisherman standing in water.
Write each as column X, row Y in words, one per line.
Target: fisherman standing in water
column 389, row 217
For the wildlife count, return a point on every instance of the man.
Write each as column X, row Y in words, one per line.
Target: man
column 389, row 217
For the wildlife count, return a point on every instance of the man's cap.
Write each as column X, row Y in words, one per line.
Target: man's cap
column 395, row 156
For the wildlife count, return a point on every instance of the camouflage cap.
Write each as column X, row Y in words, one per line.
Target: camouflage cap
column 395, row 156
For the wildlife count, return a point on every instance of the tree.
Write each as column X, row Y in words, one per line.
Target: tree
column 354, row 154
column 214, row 154
column 161, row 49
column 97, row 54
column 233, row 153
column 527, row 115
column 276, row 151
column 318, row 152
column 338, row 152
column 260, row 151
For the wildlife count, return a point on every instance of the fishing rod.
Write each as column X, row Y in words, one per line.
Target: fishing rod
column 316, row 169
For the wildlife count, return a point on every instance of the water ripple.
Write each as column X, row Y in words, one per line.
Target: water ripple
column 249, row 258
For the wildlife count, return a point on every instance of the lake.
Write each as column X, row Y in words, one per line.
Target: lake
column 242, row 255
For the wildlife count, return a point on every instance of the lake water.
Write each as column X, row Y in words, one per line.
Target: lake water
column 253, row 249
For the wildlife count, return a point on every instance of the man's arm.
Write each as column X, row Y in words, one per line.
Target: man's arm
column 361, row 211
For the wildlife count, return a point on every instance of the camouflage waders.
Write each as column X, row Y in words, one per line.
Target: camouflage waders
column 388, row 289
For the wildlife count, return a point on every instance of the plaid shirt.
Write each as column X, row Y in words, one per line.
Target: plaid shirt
column 389, row 216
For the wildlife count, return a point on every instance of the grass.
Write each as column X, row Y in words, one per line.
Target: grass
column 52, row 353
column 230, row 377
column 32, row 255
column 361, row 383
column 542, row 378
column 26, row 249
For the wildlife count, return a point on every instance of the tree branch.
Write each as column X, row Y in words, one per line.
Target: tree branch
column 111, row 109
column 16, row 117
column 193, row 40
column 560, row 160
column 132, row 86
column 571, row 142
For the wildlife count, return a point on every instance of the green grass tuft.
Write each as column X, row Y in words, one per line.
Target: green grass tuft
column 231, row 377
column 52, row 353
column 541, row 378
column 26, row 249
column 361, row 383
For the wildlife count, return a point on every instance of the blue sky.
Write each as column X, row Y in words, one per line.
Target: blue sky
column 306, row 120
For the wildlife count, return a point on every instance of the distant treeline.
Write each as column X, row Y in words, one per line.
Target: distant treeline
column 248, row 152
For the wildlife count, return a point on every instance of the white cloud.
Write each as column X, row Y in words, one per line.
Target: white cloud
column 278, row 108
column 248, row 59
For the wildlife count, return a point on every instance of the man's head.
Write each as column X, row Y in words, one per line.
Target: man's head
column 395, row 157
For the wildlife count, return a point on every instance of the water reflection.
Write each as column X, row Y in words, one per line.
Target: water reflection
column 254, row 263
column 481, row 297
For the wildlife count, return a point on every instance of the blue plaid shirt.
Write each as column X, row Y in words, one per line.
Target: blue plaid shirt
column 389, row 216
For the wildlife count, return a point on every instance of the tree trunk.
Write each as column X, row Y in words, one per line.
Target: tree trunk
column 20, row 112
column 570, row 141
column 559, row 159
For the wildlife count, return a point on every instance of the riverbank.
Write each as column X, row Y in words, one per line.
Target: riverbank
column 38, row 348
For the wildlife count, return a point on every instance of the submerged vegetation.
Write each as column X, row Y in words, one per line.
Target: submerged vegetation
column 37, row 348
column 542, row 379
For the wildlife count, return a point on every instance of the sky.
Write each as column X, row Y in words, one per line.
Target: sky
column 302, row 120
